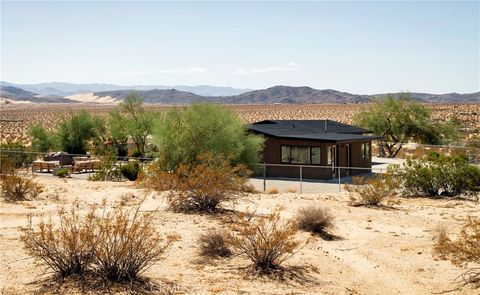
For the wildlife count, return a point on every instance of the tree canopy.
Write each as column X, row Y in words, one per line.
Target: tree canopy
column 399, row 120
column 183, row 135
column 131, row 119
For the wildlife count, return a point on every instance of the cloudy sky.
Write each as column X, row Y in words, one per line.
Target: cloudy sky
column 359, row 47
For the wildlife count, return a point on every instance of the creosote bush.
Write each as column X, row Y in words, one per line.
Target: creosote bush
column 213, row 244
column 437, row 175
column 314, row 219
column 373, row 191
column 463, row 250
column 62, row 172
column 116, row 245
column 266, row 241
column 15, row 187
column 67, row 248
column 202, row 187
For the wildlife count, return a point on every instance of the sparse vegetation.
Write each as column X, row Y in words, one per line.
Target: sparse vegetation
column 108, row 171
column 314, row 219
column 373, row 191
column 463, row 250
column 272, row 190
column 130, row 170
column 213, row 244
column 16, row 187
column 202, row 187
column 117, row 245
column 267, row 241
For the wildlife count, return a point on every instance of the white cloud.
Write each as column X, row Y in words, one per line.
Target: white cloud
column 139, row 72
column 253, row 71
column 187, row 71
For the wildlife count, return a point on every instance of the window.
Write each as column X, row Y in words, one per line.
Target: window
column 329, row 155
column 316, row 155
column 366, row 151
column 285, row 154
column 300, row 155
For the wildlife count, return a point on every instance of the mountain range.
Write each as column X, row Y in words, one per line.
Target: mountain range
column 86, row 93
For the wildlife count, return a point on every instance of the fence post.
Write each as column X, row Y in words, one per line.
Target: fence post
column 264, row 177
column 339, row 181
column 301, row 178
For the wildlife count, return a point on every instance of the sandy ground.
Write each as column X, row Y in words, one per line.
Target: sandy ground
column 379, row 251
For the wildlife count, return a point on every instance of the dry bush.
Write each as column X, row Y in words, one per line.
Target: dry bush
column 314, row 219
column 128, row 243
column 373, row 191
column 115, row 245
column 266, row 241
column 16, row 187
column 68, row 248
column 201, row 187
column 462, row 251
column 273, row 190
column 213, row 244
column 292, row 190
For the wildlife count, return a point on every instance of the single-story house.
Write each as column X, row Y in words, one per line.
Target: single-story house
column 319, row 146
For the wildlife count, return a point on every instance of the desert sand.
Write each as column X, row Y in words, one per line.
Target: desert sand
column 378, row 251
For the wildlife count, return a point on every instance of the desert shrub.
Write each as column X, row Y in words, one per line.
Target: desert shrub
column 42, row 139
column 266, row 241
column 130, row 170
column 128, row 243
column 116, row 245
column 273, row 190
column 314, row 219
column 213, row 244
column 373, row 191
column 108, row 170
column 202, row 187
column 438, row 175
column 292, row 190
column 16, row 152
column 68, row 248
column 463, row 250
column 16, row 187
column 62, row 172
column 183, row 135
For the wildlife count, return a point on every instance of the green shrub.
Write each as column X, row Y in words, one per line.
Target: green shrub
column 62, row 172
column 183, row 135
column 373, row 191
column 438, row 175
column 130, row 171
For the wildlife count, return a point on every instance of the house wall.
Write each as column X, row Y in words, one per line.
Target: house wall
column 272, row 155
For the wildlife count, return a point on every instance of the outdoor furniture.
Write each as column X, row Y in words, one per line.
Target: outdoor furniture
column 41, row 166
column 87, row 165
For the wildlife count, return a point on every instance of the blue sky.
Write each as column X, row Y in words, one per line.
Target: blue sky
column 359, row 47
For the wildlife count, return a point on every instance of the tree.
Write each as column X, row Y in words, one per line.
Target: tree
column 42, row 140
column 131, row 119
column 399, row 119
column 75, row 131
column 183, row 135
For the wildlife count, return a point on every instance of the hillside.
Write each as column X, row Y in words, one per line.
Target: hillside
column 10, row 93
column 272, row 95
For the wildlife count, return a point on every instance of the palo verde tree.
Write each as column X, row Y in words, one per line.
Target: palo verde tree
column 131, row 119
column 183, row 135
column 399, row 120
column 42, row 139
column 76, row 130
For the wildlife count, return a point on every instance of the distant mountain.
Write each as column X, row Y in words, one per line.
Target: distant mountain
column 10, row 93
column 276, row 94
column 66, row 89
column 288, row 94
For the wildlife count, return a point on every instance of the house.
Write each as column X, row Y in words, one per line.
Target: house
column 322, row 148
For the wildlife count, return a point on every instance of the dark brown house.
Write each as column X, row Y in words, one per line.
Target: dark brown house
column 322, row 147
